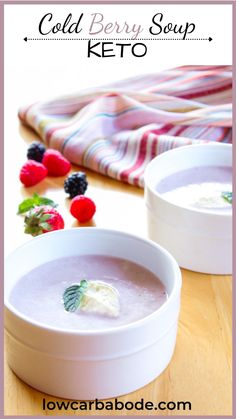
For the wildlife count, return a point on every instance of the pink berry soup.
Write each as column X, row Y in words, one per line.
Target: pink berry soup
column 38, row 294
column 203, row 188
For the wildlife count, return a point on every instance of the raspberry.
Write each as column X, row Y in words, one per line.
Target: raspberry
column 32, row 173
column 82, row 208
column 43, row 219
column 36, row 151
column 56, row 163
column 76, row 184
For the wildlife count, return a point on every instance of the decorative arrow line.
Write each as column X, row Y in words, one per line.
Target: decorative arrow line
column 26, row 39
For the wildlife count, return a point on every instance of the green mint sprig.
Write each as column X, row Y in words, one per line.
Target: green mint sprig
column 227, row 197
column 35, row 201
column 73, row 295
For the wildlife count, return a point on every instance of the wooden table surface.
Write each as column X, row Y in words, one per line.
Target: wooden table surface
column 200, row 370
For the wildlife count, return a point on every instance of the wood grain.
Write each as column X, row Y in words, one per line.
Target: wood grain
column 200, row 371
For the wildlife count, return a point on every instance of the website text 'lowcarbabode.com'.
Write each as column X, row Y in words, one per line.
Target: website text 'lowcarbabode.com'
column 115, row 405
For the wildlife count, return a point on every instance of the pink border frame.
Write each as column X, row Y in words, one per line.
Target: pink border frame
column 2, row 3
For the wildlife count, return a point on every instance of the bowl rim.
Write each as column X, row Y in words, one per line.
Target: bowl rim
column 107, row 331
column 148, row 185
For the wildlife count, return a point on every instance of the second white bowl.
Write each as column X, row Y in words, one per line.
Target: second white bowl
column 199, row 240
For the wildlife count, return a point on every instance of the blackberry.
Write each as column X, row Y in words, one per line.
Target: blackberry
column 36, row 151
column 76, row 184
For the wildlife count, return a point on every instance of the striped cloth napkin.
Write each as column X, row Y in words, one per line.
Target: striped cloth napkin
column 117, row 129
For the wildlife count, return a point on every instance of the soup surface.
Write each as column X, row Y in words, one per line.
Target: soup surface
column 205, row 187
column 38, row 294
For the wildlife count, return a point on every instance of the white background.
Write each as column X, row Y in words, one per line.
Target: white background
column 41, row 69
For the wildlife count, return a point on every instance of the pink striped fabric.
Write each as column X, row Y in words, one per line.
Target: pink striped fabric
column 117, row 129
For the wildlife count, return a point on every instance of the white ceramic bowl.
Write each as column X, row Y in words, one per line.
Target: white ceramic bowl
column 199, row 240
column 91, row 364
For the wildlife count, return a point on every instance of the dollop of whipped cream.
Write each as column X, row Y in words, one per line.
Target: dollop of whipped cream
column 205, row 195
column 101, row 298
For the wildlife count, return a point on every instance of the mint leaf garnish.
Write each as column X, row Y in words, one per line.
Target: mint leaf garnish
column 35, row 201
column 227, row 196
column 73, row 295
